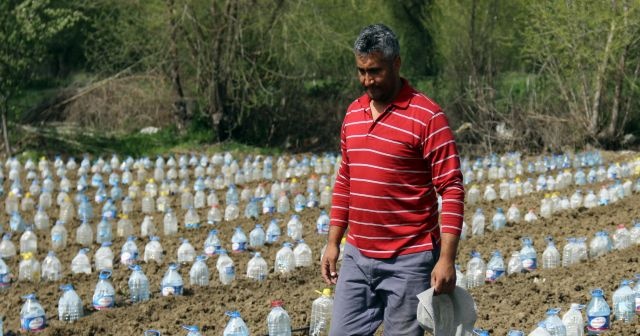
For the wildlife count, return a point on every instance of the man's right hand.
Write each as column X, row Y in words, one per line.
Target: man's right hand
column 328, row 264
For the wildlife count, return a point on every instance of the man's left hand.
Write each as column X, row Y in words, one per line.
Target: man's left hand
column 443, row 277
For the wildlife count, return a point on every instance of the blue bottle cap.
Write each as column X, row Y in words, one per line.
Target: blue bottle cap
column 191, row 328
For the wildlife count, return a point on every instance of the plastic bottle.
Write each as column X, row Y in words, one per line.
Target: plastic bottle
column 148, row 227
column 32, row 315
column 294, row 228
column 58, row 236
column 499, row 220
column 476, row 270
column 170, row 223
column 550, row 256
column 515, row 263
column 104, row 231
column 81, row 262
column 554, row 324
column 226, row 268
column 186, row 252
column 28, row 242
column 621, row 238
column 29, row 268
column 278, row 320
column 477, row 223
column 528, row 255
column 540, row 330
column 212, row 244
column 129, row 251
column 321, row 310
column 235, row 326
column 84, row 234
column 495, row 267
column 273, row 232
column 7, row 248
column 599, row 245
column 51, row 268
column 138, row 285
column 257, row 268
column 5, row 276
column 573, row 320
column 124, row 227
column 322, row 223
column 624, row 303
column 285, row 260
column 70, row 307
column 257, row 237
column 303, row 254
column 238, row 240
column 598, row 311
column 214, row 216
column 172, row 283
column 104, row 296
column 153, row 250
column 513, row 214
column 104, row 257
column 199, row 273
column 530, row 217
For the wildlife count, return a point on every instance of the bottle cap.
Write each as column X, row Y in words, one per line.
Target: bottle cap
column 277, row 303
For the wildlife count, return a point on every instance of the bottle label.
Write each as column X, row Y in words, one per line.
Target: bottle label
column 56, row 237
column 598, row 323
column 33, row 323
column 239, row 247
column 230, row 270
column 493, row 275
column 269, row 210
column 128, row 258
column 171, row 290
column 637, row 304
column 210, row 250
column 5, row 280
column 529, row 264
column 272, row 238
column 104, row 302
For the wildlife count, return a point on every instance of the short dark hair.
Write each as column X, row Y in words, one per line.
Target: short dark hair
column 377, row 38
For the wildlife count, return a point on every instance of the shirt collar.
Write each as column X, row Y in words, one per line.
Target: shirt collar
column 401, row 101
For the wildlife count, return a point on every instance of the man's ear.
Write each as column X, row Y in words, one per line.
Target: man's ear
column 396, row 64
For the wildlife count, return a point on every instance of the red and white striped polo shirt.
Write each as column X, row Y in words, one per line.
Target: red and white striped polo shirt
column 391, row 169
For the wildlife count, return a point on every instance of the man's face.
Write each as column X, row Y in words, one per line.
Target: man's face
column 378, row 76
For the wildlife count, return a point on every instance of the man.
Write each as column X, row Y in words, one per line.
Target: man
column 397, row 153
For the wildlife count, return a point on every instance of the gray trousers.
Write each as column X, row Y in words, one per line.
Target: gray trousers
column 372, row 291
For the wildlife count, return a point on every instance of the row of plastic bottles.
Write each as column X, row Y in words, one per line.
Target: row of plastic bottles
column 526, row 260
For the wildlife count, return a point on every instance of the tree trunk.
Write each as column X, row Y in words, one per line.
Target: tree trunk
column 595, row 107
column 5, row 132
column 180, row 104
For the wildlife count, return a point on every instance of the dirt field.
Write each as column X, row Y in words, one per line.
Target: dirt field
column 516, row 301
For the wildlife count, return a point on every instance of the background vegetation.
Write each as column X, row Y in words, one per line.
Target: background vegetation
column 79, row 75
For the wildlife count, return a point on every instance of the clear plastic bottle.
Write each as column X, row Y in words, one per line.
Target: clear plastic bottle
column 124, row 227
column 148, row 227
column 321, row 310
column 104, row 296
column 478, row 223
column 170, row 223
column 32, row 315
column 104, row 257
column 84, row 234
column 285, row 260
column 104, row 231
column 7, row 248
column 550, row 256
column 172, row 283
column 621, row 238
column 153, row 251
column 273, row 232
column 5, row 276
column 476, row 270
column 624, row 303
column 212, row 244
column 554, row 324
column 29, row 268
column 51, row 268
column 540, row 330
column 294, row 228
column 191, row 219
column 278, row 320
column 573, row 320
column 226, row 268
column 81, row 262
column 257, row 237
column 598, row 311
column 528, row 255
column 513, row 214
column 322, row 223
column 70, row 308
column 495, row 267
column 235, row 326
column 257, row 268
column 599, row 245
column 303, row 254
column 28, row 241
column 499, row 220
column 186, row 252
column 199, row 273
column 129, row 251
column 515, row 264
column 58, row 236
column 238, row 240
column 193, row 330
column 138, row 285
